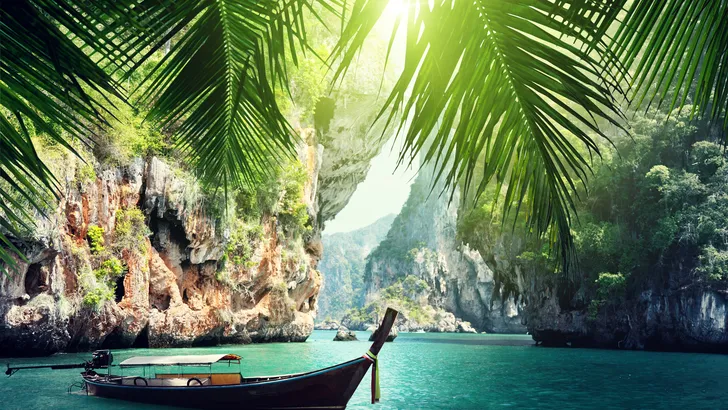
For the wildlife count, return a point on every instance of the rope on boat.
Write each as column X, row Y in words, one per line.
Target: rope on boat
column 375, row 375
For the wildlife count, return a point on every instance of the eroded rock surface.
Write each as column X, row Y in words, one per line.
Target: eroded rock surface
column 349, row 144
column 327, row 325
column 662, row 316
column 175, row 290
column 422, row 242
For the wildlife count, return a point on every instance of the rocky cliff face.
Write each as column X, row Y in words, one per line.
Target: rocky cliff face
column 172, row 287
column 652, row 272
column 350, row 143
column 673, row 311
column 176, row 284
column 422, row 242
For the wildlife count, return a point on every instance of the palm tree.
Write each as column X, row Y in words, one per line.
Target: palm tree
column 521, row 86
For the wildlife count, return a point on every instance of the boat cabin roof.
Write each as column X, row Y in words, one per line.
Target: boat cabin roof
column 195, row 360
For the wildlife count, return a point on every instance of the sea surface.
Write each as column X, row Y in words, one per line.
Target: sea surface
column 439, row 371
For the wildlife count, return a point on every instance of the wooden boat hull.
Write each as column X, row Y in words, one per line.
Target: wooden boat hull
column 329, row 388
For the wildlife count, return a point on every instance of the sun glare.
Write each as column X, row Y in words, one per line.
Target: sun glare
column 397, row 7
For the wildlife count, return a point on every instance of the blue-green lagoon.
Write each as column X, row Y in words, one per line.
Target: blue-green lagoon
column 441, row 371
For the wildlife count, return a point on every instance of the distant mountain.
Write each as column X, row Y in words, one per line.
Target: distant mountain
column 342, row 267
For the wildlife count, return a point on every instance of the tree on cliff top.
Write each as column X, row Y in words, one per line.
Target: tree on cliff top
column 482, row 79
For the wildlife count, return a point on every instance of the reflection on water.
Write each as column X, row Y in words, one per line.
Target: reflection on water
column 442, row 371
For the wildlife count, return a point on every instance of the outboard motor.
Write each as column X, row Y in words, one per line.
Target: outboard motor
column 102, row 358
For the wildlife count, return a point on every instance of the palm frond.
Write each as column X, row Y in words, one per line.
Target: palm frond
column 215, row 90
column 678, row 50
column 501, row 80
column 43, row 74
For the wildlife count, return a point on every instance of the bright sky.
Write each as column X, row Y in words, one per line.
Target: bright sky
column 383, row 192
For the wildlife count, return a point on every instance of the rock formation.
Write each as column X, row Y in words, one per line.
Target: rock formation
column 327, row 325
column 349, row 144
column 345, row 335
column 175, row 289
column 343, row 264
column 669, row 312
column 465, row 327
column 444, row 322
column 422, row 242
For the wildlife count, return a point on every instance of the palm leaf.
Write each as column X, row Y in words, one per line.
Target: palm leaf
column 678, row 50
column 215, row 90
column 499, row 81
column 44, row 73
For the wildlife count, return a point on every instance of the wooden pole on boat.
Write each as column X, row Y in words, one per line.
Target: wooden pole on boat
column 100, row 359
column 380, row 337
column 12, row 370
column 383, row 331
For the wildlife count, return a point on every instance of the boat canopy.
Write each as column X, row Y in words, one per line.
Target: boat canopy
column 196, row 360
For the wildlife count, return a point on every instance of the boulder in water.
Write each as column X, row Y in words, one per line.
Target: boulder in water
column 345, row 335
column 327, row 325
column 445, row 323
column 465, row 327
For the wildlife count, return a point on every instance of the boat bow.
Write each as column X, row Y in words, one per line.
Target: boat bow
column 382, row 333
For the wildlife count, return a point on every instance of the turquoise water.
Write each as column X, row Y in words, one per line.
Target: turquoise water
column 442, row 371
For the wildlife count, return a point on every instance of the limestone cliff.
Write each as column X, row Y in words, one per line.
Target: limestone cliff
column 672, row 311
column 184, row 275
column 422, row 242
column 99, row 273
column 650, row 242
column 342, row 266
column 350, row 143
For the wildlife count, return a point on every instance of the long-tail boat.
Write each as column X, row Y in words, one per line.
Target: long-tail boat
column 328, row 388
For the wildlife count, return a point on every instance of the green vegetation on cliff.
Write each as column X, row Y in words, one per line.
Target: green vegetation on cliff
column 280, row 196
column 610, row 290
column 96, row 238
column 655, row 204
column 661, row 202
column 131, row 231
column 410, row 237
column 109, row 269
